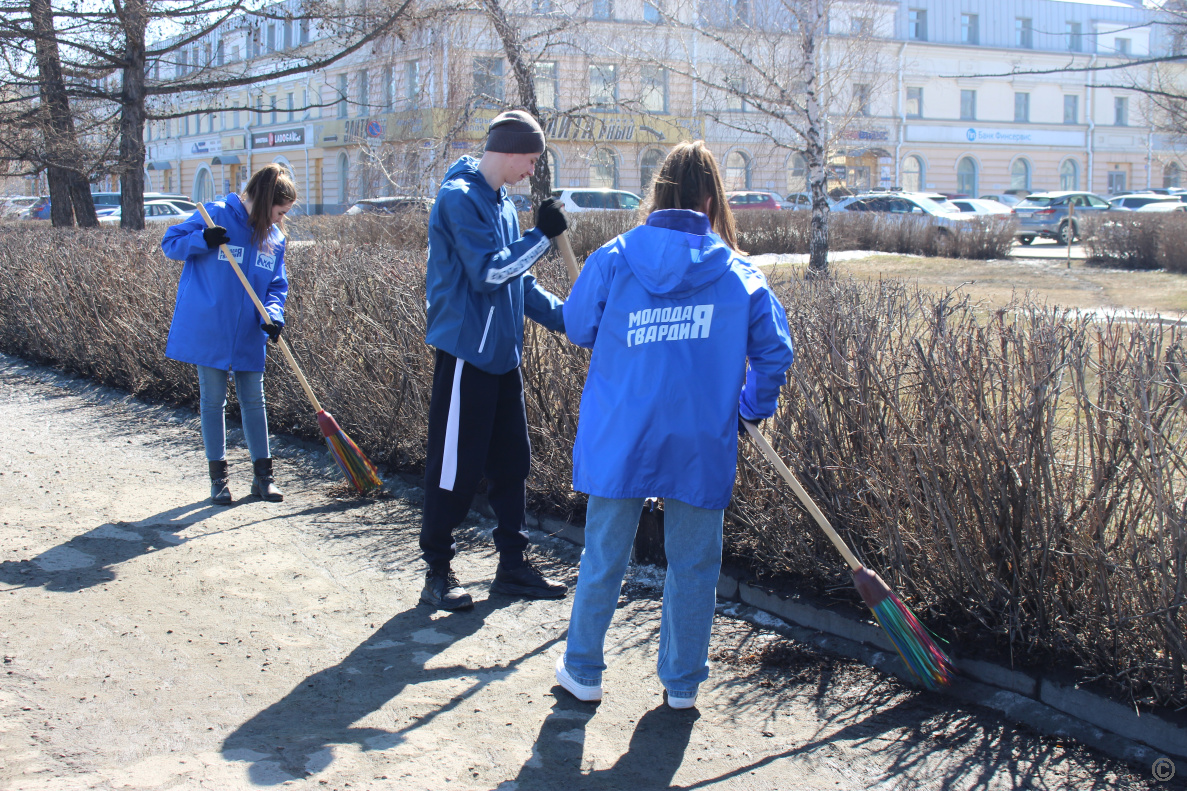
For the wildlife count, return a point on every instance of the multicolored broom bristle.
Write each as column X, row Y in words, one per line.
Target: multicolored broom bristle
column 353, row 462
column 923, row 657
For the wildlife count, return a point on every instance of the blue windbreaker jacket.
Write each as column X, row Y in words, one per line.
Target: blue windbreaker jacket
column 214, row 322
column 672, row 315
column 477, row 286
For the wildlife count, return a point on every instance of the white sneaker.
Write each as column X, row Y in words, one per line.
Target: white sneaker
column 681, row 703
column 583, row 692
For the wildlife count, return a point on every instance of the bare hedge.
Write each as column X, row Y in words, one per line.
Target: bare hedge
column 1020, row 477
column 1137, row 240
column 759, row 232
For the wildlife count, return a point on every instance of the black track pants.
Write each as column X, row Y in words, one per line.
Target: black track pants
column 477, row 426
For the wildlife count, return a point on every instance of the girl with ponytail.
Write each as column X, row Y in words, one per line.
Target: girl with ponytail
column 215, row 325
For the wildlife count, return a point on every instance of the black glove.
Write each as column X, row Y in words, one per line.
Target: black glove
column 273, row 330
column 550, row 219
column 215, row 236
column 742, row 432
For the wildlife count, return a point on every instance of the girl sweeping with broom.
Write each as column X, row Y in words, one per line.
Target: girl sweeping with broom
column 215, row 324
column 672, row 313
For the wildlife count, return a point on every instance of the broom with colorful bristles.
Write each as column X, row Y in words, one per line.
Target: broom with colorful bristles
column 353, row 462
column 925, row 660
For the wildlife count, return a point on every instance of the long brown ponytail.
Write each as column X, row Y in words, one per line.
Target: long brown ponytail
column 270, row 186
column 687, row 177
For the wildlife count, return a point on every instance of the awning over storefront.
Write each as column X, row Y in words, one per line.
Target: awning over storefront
column 159, row 166
column 225, row 159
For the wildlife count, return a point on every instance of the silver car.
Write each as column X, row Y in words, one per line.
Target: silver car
column 1046, row 214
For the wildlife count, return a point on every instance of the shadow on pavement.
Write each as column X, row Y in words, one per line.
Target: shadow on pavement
column 321, row 710
column 88, row 559
column 651, row 761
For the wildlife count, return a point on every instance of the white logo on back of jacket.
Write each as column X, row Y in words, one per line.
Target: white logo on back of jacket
column 678, row 323
column 235, row 251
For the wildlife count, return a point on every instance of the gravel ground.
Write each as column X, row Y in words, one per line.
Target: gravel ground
column 153, row 641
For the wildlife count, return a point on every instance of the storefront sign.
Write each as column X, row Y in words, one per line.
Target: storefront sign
column 613, row 128
column 980, row 135
column 873, row 135
column 281, row 137
column 209, row 145
column 234, row 143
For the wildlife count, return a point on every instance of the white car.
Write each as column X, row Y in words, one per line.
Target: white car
column 906, row 203
column 980, row 206
column 590, row 199
column 1146, row 202
column 169, row 211
column 11, row 206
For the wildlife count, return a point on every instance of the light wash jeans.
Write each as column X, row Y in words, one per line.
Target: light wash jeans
column 693, row 546
column 249, row 388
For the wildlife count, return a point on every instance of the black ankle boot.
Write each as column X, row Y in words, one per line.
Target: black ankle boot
column 263, row 486
column 219, row 493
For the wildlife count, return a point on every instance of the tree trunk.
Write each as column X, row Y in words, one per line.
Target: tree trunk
column 61, row 144
column 525, row 81
column 815, row 150
column 132, row 96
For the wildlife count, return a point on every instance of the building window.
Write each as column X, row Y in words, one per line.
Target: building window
column 341, row 95
column 1071, row 109
column 542, row 7
column 411, row 81
column 603, row 169
column 602, row 9
column 966, row 176
column 271, row 38
column 603, row 85
column 289, row 99
column 545, row 78
column 654, row 93
column 1116, row 181
column 861, row 26
column 389, row 88
column 288, row 33
column 1120, row 111
column 735, row 94
column 218, row 53
column 304, row 31
column 1020, row 175
column 968, row 105
column 1069, row 175
column 272, row 104
column 1024, row 35
column 861, row 99
column 651, row 13
column 364, row 93
column 488, row 81
column 737, row 171
column 1121, row 45
column 1021, row 108
column 203, row 186
column 739, row 11
column 343, row 179
column 914, row 102
column 1075, row 37
column 1172, row 175
column 970, row 29
column 912, row 180
column 797, row 174
column 649, row 166
column 917, row 24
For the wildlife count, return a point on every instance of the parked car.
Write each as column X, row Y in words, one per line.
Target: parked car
column 38, row 211
column 980, row 206
column 395, row 204
column 113, row 198
column 1146, row 202
column 588, row 199
column 1004, row 198
column 520, row 202
column 12, row 206
column 801, row 201
column 1045, row 214
column 944, row 214
column 746, row 200
column 154, row 211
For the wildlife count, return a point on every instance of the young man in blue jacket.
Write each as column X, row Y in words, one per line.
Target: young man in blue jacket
column 478, row 292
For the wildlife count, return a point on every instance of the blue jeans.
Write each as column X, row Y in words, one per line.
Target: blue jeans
column 249, row 387
column 692, row 542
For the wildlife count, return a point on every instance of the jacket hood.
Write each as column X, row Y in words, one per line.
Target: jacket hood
column 676, row 253
column 235, row 204
column 467, row 168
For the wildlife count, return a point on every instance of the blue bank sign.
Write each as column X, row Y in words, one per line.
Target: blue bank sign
column 981, row 135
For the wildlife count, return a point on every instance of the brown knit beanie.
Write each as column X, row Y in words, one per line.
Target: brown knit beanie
column 515, row 132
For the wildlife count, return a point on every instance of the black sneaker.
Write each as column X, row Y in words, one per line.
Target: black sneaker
column 526, row 581
column 443, row 591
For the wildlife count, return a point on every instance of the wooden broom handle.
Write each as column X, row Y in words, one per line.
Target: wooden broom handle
column 562, row 244
column 284, row 347
column 820, row 518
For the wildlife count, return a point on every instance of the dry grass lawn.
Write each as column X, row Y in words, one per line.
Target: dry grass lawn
column 996, row 283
